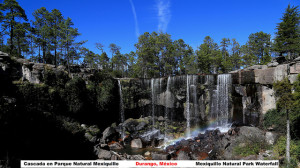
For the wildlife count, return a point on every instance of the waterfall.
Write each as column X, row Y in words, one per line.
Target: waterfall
column 121, row 106
column 188, row 124
column 167, row 99
column 153, row 101
column 195, row 99
column 223, row 86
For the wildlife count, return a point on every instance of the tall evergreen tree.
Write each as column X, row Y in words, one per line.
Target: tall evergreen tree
column 248, row 58
column 287, row 39
column 147, row 55
column 226, row 59
column 236, row 54
column 55, row 21
column 42, row 31
column 209, row 56
column 13, row 13
column 259, row 43
column 283, row 93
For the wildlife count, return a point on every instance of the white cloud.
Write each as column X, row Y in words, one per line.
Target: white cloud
column 137, row 31
column 164, row 14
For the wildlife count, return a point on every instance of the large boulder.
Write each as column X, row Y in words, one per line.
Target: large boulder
column 115, row 145
column 3, row 54
column 104, row 154
column 136, row 143
column 271, row 138
column 109, row 134
column 182, row 155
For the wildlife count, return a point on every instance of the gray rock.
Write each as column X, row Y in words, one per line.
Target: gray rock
column 3, row 54
column 251, row 133
column 273, row 64
column 136, row 143
column 22, row 61
column 137, row 157
column 160, row 156
column 61, row 67
column 104, row 154
column 115, row 145
column 270, row 138
column 108, row 133
column 90, row 137
column 297, row 59
column 161, row 118
column 182, row 155
column 147, row 153
column 141, row 126
column 256, row 67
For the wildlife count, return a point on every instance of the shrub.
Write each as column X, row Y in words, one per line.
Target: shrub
column 75, row 94
column 280, row 147
column 275, row 119
column 252, row 146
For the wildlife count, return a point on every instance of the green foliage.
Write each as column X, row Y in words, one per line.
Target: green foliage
column 13, row 13
column 287, row 37
column 251, row 146
column 275, row 119
column 34, row 97
column 283, row 92
column 101, row 89
column 293, row 163
column 248, row 149
column 209, row 56
column 75, row 94
column 257, row 49
column 280, row 148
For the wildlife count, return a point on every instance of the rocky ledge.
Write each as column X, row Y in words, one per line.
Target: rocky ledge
column 148, row 142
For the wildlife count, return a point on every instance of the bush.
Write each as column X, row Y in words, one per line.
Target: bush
column 75, row 94
column 275, row 119
column 252, row 146
column 280, row 148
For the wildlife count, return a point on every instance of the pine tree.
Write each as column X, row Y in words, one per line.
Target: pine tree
column 42, row 31
column 259, row 43
column 283, row 92
column 236, row 54
column 287, row 39
column 226, row 59
column 13, row 12
column 209, row 56
column 55, row 19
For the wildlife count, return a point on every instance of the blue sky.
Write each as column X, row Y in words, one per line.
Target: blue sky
column 120, row 21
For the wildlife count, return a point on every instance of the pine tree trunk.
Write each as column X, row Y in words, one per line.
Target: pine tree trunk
column 288, row 137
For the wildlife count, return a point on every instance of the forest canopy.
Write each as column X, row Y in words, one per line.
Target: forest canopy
column 51, row 38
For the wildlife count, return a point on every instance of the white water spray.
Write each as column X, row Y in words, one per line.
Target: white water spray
column 121, row 106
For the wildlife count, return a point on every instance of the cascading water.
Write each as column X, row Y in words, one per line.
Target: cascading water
column 195, row 99
column 223, row 86
column 153, row 102
column 188, row 122
column 121, row 106
column 167, row 99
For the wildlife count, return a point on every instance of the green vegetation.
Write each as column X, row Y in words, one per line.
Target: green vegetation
column 280, row 148
column 276, row 120
column 287, row 35
column 248, row 148
column 251, row 146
